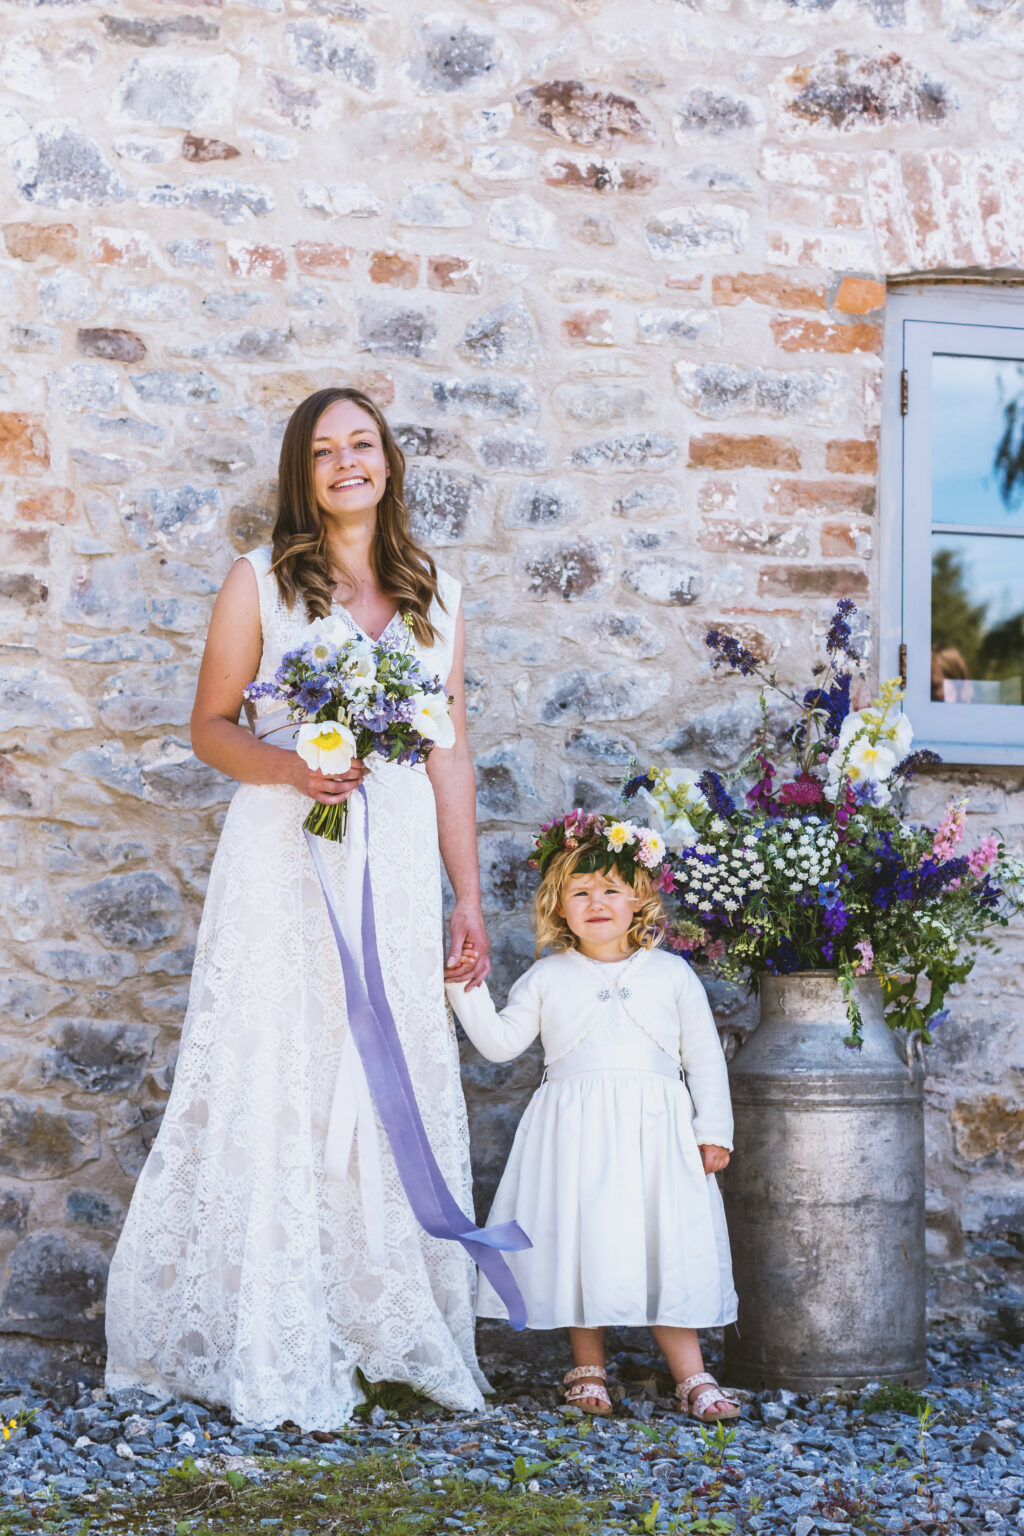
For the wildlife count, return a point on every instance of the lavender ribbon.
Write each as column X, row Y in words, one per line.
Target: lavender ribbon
column 373, row 1029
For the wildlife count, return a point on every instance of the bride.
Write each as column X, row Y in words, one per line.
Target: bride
column 246, row 1275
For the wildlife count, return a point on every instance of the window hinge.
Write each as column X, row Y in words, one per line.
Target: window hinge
column 904, row 393
column 903, row 665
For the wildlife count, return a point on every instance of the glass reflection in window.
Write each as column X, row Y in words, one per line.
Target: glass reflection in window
column 977, row 619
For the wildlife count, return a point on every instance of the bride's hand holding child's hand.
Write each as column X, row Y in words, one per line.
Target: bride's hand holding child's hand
column 462, row 968
column 714, row 1158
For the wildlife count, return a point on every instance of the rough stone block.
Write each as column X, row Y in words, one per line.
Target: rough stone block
column 764, row 288
column 720, row 450
column 741, row 536
column 697, row 231
column 167, row 518
column 715, row 114
column 73, row 962
column 133, row 911
column 26, row 999
column 185, row 93
column 522, row 221
column 581, row 173
column 42, row 1141
column 88, row 1208
column 570, row 570
column 257, row 259
column 197, row 147
column 54, row 504
column 428, row 442
column 603, row 405
column 108, row 594
column 24, row 449
column 504, row 336
column 388, row 330
column 433, row 205
column 54, row 1291
column 579, row 696
column 642, row 450
column 319, row 258
column 84, row 387
column 570, row 110
column 678, row 327
column 717, row 390
column 819, row 336
column 859, row 296
column 33, row 698
column 146, row 696
column 492, row 398
column 504, row 162
column 621, row 634
column 116, row 345
column 843, row 541
column 127, row 248
column 988, row 1131
column 441, row 503
column 340, row 200
column 14, row 1208
column 506, row 879
column 94, row 1056
column 152, row 33
column 589, row 327
column 66, row 296
column 829, row 581
column 324, row 49
column 819, row 498
column 552, row 504
column 646, row 501
column 850, row 90
column 394, row 270
column 504, row 780
column 810, row 168
column 663, row 580
column 29, row 242
column 454, row 274
column 455, row 58
column 59, row 166
column 221, row 197
column 851, row 456
column 514, row 448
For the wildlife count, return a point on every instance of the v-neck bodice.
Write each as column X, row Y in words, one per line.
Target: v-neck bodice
column 395, row 618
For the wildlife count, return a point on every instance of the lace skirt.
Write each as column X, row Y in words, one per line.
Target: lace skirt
column 242, row 1276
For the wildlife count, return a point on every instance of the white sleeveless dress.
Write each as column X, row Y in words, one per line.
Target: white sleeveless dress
column 244, row 1274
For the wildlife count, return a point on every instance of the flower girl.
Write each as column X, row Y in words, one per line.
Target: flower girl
column 611, row 1171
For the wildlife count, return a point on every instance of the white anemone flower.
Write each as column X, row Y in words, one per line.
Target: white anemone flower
column 432, row 718
column 327, row 745
column 360, row 667
column 674, row 825
column 327, row 636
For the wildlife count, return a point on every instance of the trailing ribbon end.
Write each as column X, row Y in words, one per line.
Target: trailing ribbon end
column 375, row 1033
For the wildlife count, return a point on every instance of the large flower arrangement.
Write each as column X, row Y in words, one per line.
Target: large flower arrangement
column 805, row 858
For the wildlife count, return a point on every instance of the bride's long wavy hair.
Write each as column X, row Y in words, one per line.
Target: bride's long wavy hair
column 300, row 559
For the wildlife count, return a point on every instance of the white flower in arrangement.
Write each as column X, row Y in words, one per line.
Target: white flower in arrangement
column 329, row 746
column 360, row 667
column 674, row 796
column 652, row 848
column 327, row 636
column 432, row 719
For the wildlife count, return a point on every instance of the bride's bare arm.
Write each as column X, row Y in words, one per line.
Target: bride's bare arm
column 451, row 774
column 230, row 661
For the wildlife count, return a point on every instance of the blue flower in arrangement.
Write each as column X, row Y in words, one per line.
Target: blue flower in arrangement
column 804, row 855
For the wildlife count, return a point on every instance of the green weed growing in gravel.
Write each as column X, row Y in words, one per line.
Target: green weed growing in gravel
column 715, row 1448
column 892, row 1398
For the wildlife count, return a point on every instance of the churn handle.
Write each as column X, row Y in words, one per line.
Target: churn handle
column 915, row 1050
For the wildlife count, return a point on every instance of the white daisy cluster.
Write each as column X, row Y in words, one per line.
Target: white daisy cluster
column 797, row 853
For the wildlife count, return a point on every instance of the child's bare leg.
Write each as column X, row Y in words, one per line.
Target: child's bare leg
column 681, row 1349
column 587, row 1345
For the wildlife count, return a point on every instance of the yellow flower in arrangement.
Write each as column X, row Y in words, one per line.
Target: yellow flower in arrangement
column 329, row 746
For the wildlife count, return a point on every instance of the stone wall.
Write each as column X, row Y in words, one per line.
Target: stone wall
column 617, row 272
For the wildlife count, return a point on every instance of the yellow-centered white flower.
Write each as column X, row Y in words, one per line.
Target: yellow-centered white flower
column 327, row 745
column 432, row 718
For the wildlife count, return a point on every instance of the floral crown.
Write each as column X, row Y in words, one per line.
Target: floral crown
column 626, row 845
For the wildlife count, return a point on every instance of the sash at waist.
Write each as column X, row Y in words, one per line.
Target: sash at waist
column 577, row 1066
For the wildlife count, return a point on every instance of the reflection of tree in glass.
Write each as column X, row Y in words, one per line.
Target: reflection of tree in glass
column 988, row 654
column 1009, row 460
column 955, row 620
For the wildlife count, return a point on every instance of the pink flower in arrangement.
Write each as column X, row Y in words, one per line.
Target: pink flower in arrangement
column 846, row 810
column 984, row 856
column 666, row 881
column 716, row 950
column 805, row 789
column 867, row 957
column 949, row 833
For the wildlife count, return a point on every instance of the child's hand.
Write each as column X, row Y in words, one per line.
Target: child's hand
column 714, row 1158
column 463, row 966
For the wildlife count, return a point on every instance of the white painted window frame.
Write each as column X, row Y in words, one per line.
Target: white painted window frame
column 919, row 320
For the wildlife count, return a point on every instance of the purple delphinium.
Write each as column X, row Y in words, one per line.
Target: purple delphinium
column 905, row 770
column 838, row 638
column 632, row 787
column 716, row 794
column 729, row 651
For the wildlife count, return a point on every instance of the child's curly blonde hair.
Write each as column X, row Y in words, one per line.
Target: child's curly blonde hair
column 592, row 857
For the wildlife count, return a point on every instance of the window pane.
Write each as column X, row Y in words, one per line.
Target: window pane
column 977, row 440
column 977, row 619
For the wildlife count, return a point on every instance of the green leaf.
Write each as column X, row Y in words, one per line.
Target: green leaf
column 236, row 1480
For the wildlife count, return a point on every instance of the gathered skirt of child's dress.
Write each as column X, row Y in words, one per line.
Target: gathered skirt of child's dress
column 606, row 1177
column 243, row 1276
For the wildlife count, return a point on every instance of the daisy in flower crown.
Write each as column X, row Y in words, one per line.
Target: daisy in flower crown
column 625, row 844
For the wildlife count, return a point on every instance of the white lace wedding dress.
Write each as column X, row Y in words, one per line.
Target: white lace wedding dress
column 244, row 1276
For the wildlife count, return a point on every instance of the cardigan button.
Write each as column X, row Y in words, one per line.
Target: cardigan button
column 604, row 995
column 623, row 992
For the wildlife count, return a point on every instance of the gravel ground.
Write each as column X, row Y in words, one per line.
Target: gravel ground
column 796, row 1465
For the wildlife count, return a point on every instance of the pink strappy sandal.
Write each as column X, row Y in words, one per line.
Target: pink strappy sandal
column 700, row 1407
column 586, row 1381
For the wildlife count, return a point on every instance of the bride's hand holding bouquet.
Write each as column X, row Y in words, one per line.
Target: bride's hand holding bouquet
column 356, row 700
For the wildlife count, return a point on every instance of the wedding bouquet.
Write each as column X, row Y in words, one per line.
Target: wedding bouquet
column 805, row 858
column 357, row 700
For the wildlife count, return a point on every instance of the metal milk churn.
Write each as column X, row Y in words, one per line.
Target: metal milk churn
column 825, row 1195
